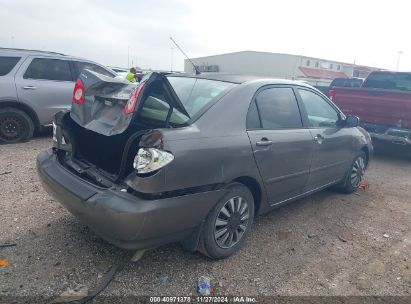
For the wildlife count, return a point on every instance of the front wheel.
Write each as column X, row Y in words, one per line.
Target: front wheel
column 228, row 224
column 356, row 173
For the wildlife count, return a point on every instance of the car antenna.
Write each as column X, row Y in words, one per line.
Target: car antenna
column 195, row 68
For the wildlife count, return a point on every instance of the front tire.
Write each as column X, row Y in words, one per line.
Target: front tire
column 15, row 126
column 228, row 223
column 356, row 173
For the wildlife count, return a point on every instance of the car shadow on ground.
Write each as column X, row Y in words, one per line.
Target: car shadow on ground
column 391, row 151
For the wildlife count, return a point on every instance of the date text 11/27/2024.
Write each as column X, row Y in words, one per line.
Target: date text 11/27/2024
column 203, row 299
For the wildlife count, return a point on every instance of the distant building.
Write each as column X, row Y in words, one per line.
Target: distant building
column 316, row 71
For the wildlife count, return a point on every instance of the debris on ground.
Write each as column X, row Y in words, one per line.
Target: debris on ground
column 345, row 237
column 364, row 186
column 163, row 278
column 7, row 245
column 204, row 286
column 4, row 263
column 386, row 235
column 72, row 294
column 4, row 173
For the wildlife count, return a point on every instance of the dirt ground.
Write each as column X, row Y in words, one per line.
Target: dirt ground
column 327, row 244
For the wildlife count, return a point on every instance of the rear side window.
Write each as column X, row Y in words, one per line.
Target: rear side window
column 49, row 69
column 253, row 118
column 277, row 108
column 391, row 81
column 196, row 94
column 156, row 107
column 7, row 64
column 92, row 67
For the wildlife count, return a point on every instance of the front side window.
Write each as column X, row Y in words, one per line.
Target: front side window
column 320, row 112
column 278, row 109
column 92, row 67
column 49, row 69
column 7, row 64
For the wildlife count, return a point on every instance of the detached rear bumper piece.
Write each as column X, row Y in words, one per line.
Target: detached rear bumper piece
column 395, row 135
column 122, row 218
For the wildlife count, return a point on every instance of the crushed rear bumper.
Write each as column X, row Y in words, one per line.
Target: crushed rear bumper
column 122, row 218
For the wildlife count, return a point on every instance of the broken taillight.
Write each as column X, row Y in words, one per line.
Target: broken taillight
column 132, row 102
column 151, row 159
column 78, row 93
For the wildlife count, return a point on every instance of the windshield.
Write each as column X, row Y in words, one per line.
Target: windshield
column 196, row 94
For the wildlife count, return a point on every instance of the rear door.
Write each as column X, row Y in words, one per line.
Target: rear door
column 46, row 85
column 282, row 146
column 332, row 143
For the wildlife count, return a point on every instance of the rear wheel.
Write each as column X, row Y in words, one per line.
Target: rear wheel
column 356, row 173
column 15, row 126
column 228, row 224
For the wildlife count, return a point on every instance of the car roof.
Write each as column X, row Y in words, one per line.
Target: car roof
column 27, row 52
column 240, row 79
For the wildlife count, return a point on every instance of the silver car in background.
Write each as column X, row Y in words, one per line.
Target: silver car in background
column 34, row 85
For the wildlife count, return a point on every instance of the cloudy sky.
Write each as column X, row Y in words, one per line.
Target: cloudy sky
column 369, row 32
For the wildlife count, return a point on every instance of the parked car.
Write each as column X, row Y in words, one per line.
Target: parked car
column 383, row 104
column 194, row 158
column 121, row 72
column 34, row 85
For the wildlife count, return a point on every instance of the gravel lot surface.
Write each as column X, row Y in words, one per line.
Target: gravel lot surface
column 327, row 244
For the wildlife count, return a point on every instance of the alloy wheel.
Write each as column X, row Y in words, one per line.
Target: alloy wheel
column 231, row 222
column 357, row 172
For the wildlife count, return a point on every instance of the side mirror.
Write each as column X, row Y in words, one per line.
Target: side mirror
column 352, row 121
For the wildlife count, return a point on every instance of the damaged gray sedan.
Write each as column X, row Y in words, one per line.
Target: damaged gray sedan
column 193, row 158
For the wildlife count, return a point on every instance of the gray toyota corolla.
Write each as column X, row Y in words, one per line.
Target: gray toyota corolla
column 193, row 158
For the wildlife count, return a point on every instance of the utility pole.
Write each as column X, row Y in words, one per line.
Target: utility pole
column 398, row 61
column 128, row 56
column 12, row 42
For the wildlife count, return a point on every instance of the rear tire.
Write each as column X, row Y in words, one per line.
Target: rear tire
column 228, row 223
column 355, row 174
column 15, row 126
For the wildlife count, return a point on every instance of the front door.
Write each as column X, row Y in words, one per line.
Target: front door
column 333, row 143
column 282, row 147
column 46, row 85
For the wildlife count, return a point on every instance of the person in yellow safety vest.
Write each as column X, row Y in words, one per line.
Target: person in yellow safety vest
column 131, row 76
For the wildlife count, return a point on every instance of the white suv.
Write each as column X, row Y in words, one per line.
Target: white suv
column 34, row 85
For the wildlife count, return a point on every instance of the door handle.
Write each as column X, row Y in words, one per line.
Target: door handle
column 319, row 139
column 29, row 87
column 264, row 142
